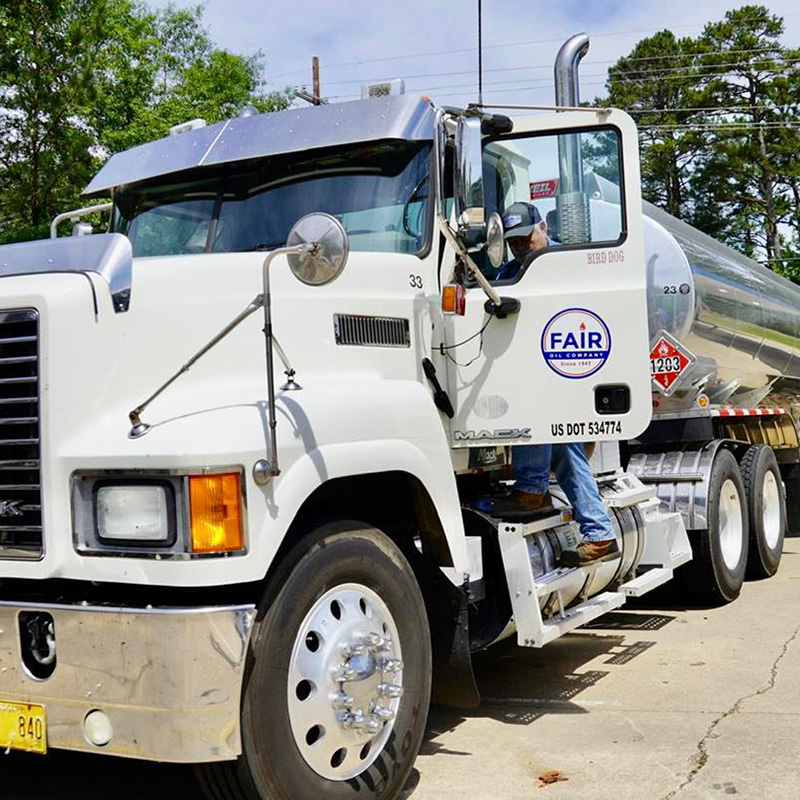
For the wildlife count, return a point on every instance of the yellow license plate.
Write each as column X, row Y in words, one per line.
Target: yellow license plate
column 23, row 727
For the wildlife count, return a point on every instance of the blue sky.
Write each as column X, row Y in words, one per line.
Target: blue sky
column 432, row 43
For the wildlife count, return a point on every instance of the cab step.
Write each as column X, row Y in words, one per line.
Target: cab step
column 645, row 582
column 576, row 616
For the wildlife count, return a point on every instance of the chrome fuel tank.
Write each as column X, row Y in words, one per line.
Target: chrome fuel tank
column 739, row 320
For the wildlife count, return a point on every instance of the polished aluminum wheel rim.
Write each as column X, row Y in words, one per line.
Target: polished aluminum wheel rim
column 771, row 510
column 345, row 681
column 731, row 524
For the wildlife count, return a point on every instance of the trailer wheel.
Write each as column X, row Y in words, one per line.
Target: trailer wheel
column 337, row 691
column 767, row 505
column 716, row 572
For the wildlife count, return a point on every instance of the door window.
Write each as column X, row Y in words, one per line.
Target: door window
column 570, row 183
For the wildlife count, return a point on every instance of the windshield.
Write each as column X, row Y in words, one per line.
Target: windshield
column 379, row 192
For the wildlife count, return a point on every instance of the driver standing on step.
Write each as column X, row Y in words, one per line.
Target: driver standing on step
column 526, row 234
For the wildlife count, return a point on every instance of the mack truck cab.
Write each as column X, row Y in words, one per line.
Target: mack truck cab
column 250, row 433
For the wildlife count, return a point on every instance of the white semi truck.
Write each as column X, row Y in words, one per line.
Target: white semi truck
column 251, row 435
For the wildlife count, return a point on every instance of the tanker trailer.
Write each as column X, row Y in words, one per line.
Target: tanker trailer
column 723, row 446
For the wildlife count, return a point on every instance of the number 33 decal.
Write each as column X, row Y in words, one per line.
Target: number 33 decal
column 415, row 281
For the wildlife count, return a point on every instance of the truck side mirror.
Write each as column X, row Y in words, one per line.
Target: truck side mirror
column 468, row 182
column 326, row 260
column 495, row 243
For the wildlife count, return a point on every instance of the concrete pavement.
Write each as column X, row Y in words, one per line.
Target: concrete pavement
column 656, row 701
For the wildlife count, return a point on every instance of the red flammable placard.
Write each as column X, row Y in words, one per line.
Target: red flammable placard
column 668, row 361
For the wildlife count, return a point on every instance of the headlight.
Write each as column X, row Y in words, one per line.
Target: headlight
column 135, row 513
column 171, row 514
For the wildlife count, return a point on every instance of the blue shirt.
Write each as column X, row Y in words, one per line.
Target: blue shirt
column 510, row 269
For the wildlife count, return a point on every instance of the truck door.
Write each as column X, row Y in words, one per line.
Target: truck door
column 572, row 364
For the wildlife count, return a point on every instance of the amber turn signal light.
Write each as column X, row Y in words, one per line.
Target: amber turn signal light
column 215, row 503
column 454, row 299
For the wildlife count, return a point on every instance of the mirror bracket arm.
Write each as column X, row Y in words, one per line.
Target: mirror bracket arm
column 474, row 271
column 139, row 428
column 507, row 307
column 274, row 469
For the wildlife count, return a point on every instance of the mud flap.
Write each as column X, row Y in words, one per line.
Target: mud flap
column 453, row 680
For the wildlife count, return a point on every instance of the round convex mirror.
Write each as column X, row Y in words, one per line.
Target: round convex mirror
column 495, row 243
column 323, row 264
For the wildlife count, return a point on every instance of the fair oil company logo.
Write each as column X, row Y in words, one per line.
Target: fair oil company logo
column 576, row 343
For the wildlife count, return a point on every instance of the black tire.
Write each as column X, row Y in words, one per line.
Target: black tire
column 762, row 477
column 272, row 766
column 707, row 576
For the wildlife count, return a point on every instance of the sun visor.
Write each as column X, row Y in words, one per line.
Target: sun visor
column 296, row 129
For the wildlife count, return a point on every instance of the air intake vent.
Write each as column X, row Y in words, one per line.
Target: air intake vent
column 371, row 331
column 20, row 476
column 383, row 89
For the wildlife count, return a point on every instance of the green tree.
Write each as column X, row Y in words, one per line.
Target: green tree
column 746, row 79
column 47, row 86
column 163, row 69
column 82, row 79
column 719, row 120
column 657, row 84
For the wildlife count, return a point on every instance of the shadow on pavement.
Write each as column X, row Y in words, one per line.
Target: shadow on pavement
column 520, row 685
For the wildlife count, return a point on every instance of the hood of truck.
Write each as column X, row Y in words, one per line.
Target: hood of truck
column 92, row 364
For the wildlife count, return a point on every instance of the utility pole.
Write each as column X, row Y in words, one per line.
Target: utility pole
column 315, row 80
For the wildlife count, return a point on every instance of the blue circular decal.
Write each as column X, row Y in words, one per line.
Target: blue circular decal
column 576, row 343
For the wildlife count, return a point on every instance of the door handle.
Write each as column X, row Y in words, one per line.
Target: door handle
column 440, row 398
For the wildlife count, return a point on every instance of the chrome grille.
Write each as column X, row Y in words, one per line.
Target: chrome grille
column 20, row 476
column 371, row 331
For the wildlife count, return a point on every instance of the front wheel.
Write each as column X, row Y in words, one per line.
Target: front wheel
column 337, row 694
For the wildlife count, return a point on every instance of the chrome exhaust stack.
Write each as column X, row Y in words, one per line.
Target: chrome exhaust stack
column 572, row 207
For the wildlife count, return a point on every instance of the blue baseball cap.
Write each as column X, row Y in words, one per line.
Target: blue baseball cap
column 519, row 219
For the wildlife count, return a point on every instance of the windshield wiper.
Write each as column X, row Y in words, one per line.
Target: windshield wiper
column 263, row 246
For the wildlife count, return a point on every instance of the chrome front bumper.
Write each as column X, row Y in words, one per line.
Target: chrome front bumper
column 169, row 679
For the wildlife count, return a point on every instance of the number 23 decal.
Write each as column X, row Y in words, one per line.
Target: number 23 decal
column 415, row 281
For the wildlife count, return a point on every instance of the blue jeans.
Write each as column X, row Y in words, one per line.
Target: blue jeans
column 532, row 464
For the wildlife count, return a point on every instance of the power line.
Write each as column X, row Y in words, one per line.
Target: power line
column 408, row 56
column 719, row 125
column 527, row 67
column 695, row 54
column 712, row 70
column 789, row 65
column 712, row 109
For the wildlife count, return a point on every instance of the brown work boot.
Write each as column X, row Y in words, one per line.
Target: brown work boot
column 523, row 506
column 587, row 552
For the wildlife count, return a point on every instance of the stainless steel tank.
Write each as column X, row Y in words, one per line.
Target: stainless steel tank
column 739, row 320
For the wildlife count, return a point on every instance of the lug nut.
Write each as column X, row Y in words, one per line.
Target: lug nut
column 385, row 714
column 344, row 672
column 390, row 690
column 391, row 664
column 357, row 719
column 373, row 725
column 342, row 700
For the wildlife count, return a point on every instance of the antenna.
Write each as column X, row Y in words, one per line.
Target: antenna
column 480, row 53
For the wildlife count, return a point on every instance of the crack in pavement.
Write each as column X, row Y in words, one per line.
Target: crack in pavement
column 701, row 751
